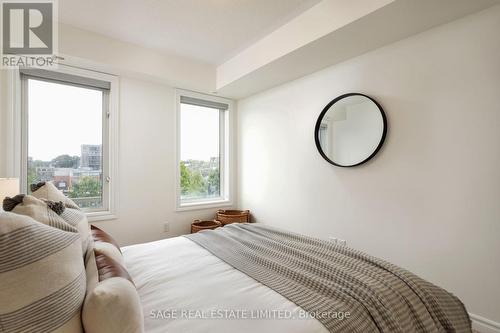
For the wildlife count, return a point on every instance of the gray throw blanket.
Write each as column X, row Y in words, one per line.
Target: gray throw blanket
column 326, row 279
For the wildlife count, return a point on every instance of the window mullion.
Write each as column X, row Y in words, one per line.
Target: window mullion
column 222, row 156
column 105, row 166
column 24, row 134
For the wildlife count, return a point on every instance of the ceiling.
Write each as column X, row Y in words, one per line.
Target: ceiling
column 211, row 31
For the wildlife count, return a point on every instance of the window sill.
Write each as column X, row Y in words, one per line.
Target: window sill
column 100, row 216
column 203, row 205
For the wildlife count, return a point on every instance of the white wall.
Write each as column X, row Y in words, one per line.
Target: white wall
column 429, row 201
column 135, row 61
column 147, row 166
column 147, row 129
column 314, row 23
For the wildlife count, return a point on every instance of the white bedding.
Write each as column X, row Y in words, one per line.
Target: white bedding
column 176, row 277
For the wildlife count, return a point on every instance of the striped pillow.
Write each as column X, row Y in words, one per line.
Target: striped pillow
column 48, row 191
column 38, row 210
column 78, row 219
column 72, row 214
column 42, row 277
column 69, row 219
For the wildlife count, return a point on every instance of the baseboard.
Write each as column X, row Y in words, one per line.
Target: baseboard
column 484, row 325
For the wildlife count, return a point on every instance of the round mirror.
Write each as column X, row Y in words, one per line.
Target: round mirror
column 350, row 130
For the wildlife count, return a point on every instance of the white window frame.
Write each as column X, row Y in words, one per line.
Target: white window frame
column 110, row 144
column 226, row 142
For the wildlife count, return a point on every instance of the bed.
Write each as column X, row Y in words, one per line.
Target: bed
column 253, row 278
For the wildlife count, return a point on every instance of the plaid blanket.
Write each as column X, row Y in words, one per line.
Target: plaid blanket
column 345, row 289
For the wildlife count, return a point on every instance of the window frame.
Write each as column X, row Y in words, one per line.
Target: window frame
column 226, row 146
column 110, row 136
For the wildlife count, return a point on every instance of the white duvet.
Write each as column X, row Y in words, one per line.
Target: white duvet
column 184, row 288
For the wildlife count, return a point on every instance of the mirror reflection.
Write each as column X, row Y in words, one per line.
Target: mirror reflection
column 350, row 130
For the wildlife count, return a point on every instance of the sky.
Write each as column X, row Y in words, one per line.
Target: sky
column 199, row 132
column 62, row 118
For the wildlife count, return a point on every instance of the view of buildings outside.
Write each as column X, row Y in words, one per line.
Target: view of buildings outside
column 62, row 119
column 78, row 177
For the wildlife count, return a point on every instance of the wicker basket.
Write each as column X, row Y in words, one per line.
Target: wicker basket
column 232, row 216
column 198, row 225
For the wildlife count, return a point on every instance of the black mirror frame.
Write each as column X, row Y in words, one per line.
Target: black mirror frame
column 325, row 110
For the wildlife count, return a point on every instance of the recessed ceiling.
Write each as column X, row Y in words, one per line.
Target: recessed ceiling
column 208, row 30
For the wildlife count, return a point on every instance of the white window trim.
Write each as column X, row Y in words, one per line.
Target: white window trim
column 18, row 137
column 226, row 155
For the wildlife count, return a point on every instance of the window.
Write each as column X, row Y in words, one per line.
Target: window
column 67, row 134
column 203, row 150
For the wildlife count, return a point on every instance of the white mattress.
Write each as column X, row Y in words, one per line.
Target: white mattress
column 177, row 278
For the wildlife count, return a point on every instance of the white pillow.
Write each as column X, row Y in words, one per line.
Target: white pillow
column 112, row 303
